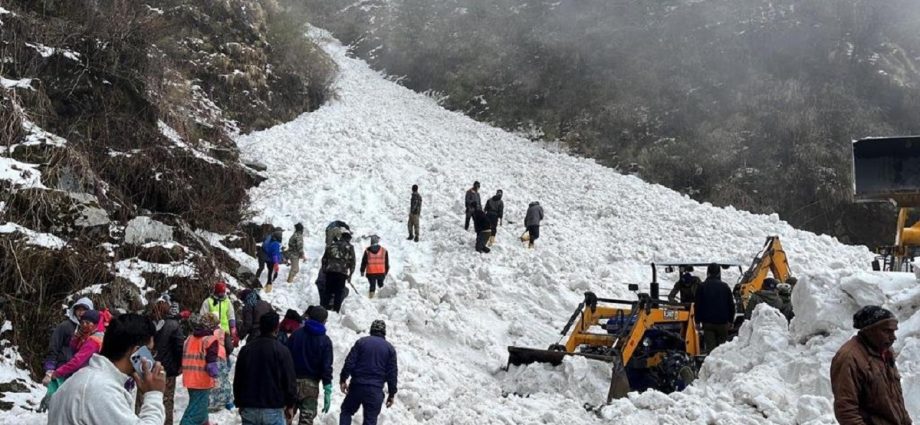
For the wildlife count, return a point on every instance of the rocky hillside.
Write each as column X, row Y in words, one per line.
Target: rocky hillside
column 116, row 121
column 749, row 103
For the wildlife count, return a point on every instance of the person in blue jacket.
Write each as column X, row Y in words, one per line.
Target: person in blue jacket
column 311, row 349
column 370, row 363
column 272, row 255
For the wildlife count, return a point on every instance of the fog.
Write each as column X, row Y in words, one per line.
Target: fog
column 745, row 102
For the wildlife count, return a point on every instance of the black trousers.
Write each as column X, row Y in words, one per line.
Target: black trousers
column 481, row 239
column 376, row 281
column 334, row 291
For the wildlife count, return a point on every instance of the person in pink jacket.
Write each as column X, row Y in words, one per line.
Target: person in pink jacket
column 86, row 342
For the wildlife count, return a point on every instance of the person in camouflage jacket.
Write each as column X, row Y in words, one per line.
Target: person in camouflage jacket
column 294, row 252
column 767, row 294
column 338, row 264
column 415, row 210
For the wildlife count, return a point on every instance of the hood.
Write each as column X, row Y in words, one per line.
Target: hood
column 313, row 327
column 534, row 204
column 82, row 301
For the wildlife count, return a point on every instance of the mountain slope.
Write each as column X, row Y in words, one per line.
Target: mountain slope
column 452, row 312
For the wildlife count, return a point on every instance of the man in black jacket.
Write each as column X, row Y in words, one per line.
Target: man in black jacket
column 481, row 225
column 168, row 343
column 254, row 307
column 495, row 210
column 264, row 387
column 312, row 352
column 715, row 308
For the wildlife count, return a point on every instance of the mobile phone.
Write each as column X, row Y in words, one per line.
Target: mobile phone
column 142, row 358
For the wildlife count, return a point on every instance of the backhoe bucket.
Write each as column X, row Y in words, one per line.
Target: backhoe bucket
column 619, row 381
column 518, row 356
column 887, row 169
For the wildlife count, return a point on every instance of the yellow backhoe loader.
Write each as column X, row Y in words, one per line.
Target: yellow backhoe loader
column 648, row 342
column 887, row 169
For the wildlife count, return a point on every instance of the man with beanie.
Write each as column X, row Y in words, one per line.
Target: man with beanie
column 59, row 351
column 253, row 309
column 715, row 308
column 311, row 349
column 168, row 343
column 370, row 363
column 767, row 294
column 264, row 387
column 219, row 304
column 415, row 212
column 376, row 262
column 864, row 377
column 471, row 203
column 495, row 211
column 294, row 252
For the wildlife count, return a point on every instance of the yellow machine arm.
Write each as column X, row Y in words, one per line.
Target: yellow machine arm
column 770, row 259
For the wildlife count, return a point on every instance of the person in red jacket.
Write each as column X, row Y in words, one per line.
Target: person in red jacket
column 85, row 343
column 376, row 263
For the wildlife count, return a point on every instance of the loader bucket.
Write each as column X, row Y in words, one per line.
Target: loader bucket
column 887, row 169
column 523, row 356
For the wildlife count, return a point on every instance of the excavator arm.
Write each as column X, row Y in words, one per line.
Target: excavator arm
column 771, row 259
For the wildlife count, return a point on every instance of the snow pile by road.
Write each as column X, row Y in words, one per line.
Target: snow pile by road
column 452, row 312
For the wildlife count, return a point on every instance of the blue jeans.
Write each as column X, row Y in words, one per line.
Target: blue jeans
column 252, row 416
column 367, row 396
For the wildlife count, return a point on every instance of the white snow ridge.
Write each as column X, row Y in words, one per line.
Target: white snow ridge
column 451, row 312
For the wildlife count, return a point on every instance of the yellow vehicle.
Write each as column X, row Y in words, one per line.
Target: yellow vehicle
column 887, row 169
column 771, row 259
column 648, row 342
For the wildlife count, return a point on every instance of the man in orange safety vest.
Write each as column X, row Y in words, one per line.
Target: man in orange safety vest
column 376, row 263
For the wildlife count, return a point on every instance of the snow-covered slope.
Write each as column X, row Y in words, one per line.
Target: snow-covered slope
column 452, row 312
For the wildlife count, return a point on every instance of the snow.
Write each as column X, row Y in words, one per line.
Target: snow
column 45, row 240
column 174, row 137
column 20, row 174
column 451, row 312
column 24, row 83
column 47, row 52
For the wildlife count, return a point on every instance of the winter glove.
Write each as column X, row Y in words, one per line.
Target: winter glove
column 43, row 406
column 327, row 397
column 212, row 369
column 235, row 336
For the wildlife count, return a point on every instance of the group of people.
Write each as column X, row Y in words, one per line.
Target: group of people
column 715, row 302
column 487, row 220
column 94, row 369
column 864, row 377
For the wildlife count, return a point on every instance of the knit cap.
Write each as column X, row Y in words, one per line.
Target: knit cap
column 870, row 315
column 379, row 327
column 91, row 316
column 375, row 240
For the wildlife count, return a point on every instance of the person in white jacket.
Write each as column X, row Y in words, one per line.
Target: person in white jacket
column 104, row 391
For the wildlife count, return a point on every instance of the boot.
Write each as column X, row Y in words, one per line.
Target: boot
column 410, row 238
column 491, row 241
column 370, row 295
column 268, row 288
column 416, row 238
